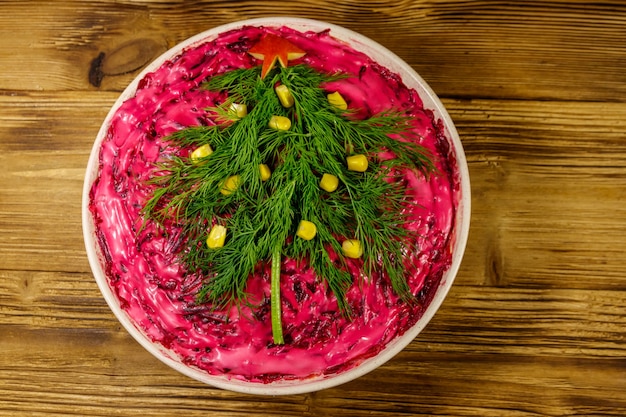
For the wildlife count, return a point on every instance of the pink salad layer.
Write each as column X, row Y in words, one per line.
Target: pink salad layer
column 152, row 287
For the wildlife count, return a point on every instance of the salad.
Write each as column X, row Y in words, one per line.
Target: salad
column 274, row 205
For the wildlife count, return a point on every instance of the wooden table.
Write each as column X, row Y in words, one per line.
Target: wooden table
column 536, row 321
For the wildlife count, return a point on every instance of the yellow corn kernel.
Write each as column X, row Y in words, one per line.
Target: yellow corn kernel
column 201, row 152
column 265, row 172
column 351, row 248
column 329, row 182
column 285, row 96
column 306, row 230
column 239, row 109
column 230, row 185
column 217, row 236
column 357, row 163
column 280, row 123
column 336, row 100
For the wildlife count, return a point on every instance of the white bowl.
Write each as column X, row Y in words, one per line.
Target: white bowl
column 460, row 233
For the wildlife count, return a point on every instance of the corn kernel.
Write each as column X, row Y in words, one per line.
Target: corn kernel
column 230, row 185
column 329, row 182
column 240, row 110
column 306, row 230
column 217, row 236
column 336, row 100
column 351, row 248
column 285, row 96
column 357, row 163
column 265, row 172
column 280, row 123
column 201, row 152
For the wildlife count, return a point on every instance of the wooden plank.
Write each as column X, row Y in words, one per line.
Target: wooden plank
column 547, row 193
column 51, row 123
column 62, row 302
column 496, row 363
column 565, row 323
column 477, row 384
column 89, row 373
column 493, row 319
column 557, row 322
column 44, row 147
column 536, row 50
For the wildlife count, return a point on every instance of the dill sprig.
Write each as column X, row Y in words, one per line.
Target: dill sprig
column 261, row 217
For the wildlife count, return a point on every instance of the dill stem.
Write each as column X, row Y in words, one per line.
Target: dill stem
column 277, row 326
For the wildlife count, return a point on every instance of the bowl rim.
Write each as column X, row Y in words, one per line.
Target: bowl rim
column 460, row 232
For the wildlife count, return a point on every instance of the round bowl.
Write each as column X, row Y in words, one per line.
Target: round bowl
column 457, row 242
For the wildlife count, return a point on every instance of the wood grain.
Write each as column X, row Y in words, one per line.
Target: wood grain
column 536, row 321
column 534, row 50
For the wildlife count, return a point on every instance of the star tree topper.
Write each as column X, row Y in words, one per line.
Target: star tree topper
column 272, row 48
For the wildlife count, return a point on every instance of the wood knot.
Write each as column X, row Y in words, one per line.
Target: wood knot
column 28, row 288
column 495, row 266
column 95, row 71
column 124, row 59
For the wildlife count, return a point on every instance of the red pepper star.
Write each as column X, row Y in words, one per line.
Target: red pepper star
column 272, row 48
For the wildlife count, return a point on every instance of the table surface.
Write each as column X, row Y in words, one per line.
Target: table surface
column 535, row 323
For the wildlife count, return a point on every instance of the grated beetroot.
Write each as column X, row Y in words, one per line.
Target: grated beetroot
column 152, row 287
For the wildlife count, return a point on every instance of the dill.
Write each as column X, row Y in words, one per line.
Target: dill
column 261, row 217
